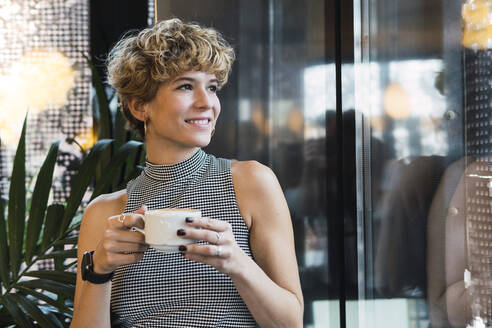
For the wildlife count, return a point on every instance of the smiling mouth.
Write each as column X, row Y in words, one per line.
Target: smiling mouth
column 200, row 122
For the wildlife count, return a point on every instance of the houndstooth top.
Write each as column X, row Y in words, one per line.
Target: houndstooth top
column 165, row 289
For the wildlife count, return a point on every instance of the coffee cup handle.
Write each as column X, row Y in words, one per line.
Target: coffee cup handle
column 138, row 229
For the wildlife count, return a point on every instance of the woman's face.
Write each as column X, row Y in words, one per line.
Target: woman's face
column 184, row 111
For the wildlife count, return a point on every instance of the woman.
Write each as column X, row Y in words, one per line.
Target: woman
column 244, row 269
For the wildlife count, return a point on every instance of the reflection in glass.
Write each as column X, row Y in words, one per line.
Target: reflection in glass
column 300, row 104
column 423, row 91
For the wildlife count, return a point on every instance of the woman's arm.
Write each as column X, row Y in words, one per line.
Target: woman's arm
column 270, row 285
column 109, row 237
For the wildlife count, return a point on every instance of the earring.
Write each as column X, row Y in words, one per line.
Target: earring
column 213, row 132
column 145, row 126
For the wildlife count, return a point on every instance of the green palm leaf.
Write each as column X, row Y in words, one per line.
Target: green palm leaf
column 120, row 133
column 4, row 248
column 46, row 298
column 105, row 125
column 69, row 265
column 5, row 316
column 81, row 182
column 60, row 276
column 112, row 169
column 17, row 204
column 54, row 215
column 39, row 200
column 51, row 315
column 6, row 320
column 64, row 290
column 132, row 168
column 34, row 312
column 69, row 253
column 16, row 312
column 67, row 241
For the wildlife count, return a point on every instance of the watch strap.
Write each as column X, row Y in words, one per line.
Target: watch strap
column 88, row 273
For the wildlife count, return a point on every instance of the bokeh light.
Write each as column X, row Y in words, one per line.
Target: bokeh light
column 39, row 80
column 396, row 101
column 477, row 24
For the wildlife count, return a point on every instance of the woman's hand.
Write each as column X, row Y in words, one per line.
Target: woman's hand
column 222, row 252
column 120, row 244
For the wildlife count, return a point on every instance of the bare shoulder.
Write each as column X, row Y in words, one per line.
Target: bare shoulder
column 253, row 174
column 256, row 188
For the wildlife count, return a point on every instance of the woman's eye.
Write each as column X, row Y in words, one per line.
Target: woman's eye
column 185, row 87
column 213, row 88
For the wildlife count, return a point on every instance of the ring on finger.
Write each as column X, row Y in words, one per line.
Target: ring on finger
column 218, row 235
column 122, row 218
column 219, row 251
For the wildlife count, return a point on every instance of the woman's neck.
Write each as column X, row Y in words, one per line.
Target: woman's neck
column 168, row 154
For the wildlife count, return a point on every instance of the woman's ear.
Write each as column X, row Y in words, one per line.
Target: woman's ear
column 138, row 109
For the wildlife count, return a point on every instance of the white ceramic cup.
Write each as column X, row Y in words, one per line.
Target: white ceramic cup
column 161, row 227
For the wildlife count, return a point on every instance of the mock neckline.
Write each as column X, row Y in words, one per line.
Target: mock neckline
column 178, row 170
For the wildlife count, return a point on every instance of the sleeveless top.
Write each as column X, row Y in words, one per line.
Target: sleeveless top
column 165, row 289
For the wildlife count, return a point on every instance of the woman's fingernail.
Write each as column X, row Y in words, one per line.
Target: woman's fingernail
column 182, row 248
column 181, row 232
column 189, row 220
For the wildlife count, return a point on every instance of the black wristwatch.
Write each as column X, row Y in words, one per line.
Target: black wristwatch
column 88, row 271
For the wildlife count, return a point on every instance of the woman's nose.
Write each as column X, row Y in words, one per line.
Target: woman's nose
column 203, row 99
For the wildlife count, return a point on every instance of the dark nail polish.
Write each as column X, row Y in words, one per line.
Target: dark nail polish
column 181, row 232
column 189, row 220
column 182, row 248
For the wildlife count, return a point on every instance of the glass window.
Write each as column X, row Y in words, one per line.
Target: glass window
column 423, row 100
column 275, row 109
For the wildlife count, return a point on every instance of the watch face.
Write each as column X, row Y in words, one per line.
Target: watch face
column 86, row 265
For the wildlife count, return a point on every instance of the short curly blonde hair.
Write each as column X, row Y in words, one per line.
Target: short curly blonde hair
column 139, row 65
